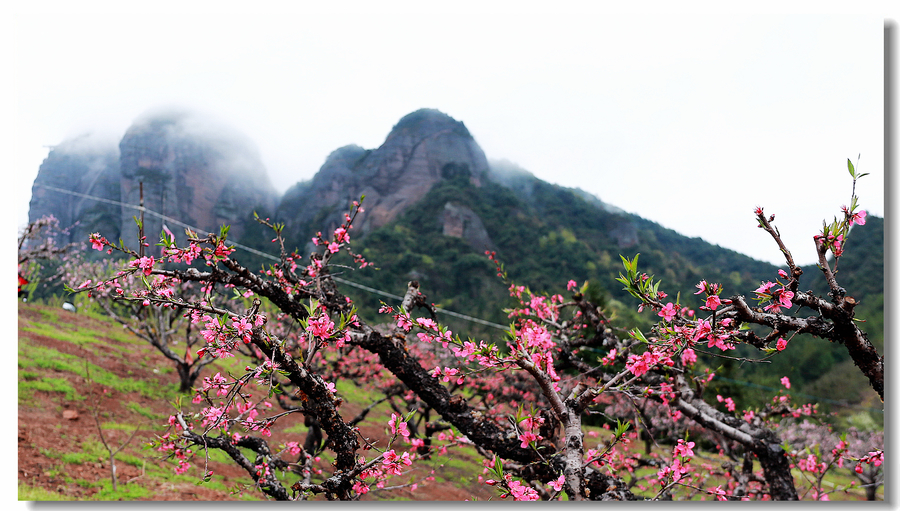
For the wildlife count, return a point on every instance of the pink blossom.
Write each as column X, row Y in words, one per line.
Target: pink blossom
column 182, row 467
column 466, row 351
column 713, row 302
column 684, row 449
column 522, row 492
column 427, row 323
column 243, row 328
column 858, row 218
column 781, row 344
column 786, row 382
column 764, row 288
column 321, row 326
column 729, row 404
column 557, row 485
column 293, row 448
column 398, row 426
column 537, row 337
column 609, row 358
column 784, row 297
column 527, row 437
column 718, row 492
column 95, row 241
column 571, row 285
column 719, row 342
column 403, row 322
column 144, row 263
column 391, row 462
column 688, row 357
column 639, row 365
column 702, row 287
column 703, row 328
column 668, row 312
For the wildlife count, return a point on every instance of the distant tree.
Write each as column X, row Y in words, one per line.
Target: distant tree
column 38, row 246
column 168, row 329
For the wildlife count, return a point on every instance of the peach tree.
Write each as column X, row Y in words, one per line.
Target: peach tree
column 520, row 401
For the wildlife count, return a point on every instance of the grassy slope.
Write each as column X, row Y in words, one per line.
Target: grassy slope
column 61, row 459
column 64, row 459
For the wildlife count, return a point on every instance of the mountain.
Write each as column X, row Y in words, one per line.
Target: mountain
column 545, row 235
column 193, row 170
column 434, row 204
column 423, row 148
column 429, row 187
column 87, row 165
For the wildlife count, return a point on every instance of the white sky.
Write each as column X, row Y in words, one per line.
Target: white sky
column 690, row 118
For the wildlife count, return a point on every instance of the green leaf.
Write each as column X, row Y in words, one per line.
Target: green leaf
column 637, row 334
column 850, row 167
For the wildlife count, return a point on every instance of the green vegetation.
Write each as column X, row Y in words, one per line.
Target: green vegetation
column 32, row 356
column 546, row 234
column 544, row 238
column 47, row 384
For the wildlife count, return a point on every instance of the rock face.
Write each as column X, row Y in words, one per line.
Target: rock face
column 424, row 148
column 202, row 174
column 193, row 171
column 86, row 165
column 461, row 222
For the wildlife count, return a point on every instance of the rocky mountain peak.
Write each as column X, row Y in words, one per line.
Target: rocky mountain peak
column 426, row 122
column 422, row 149
column 193, row 169
column 86, row 164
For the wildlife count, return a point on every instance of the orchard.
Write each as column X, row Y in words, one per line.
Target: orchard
column 522, row 401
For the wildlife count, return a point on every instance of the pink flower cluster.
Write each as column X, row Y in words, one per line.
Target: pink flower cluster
column 391, row 463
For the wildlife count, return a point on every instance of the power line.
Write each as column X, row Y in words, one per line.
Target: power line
column 385, row 293
column 269, row 256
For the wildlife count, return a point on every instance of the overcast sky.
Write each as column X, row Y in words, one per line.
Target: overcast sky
column 690, row 119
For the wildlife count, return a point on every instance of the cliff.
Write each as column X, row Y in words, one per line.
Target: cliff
column 87, row 165
column 193, row 170
column 200, row 173
column 424, row 148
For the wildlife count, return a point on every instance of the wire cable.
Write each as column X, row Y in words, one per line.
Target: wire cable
column 270, row 256
column 385, row 293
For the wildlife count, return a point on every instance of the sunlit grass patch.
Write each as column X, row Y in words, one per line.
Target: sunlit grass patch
column 35, row 493
column 47, row 384
column 32, row 356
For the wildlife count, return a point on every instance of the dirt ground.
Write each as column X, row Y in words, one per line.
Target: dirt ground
column 50, row 424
